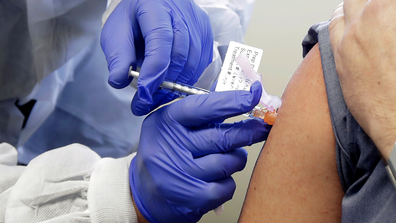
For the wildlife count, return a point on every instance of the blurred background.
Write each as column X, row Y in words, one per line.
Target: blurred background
column 278, row 28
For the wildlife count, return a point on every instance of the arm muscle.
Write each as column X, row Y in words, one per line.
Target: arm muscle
column 295, row 178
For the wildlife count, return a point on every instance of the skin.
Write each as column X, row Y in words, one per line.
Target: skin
column 362, row 35
column 139, row 215
column 295, row 178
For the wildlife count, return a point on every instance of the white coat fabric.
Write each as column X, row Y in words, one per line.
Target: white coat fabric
column 69, row 184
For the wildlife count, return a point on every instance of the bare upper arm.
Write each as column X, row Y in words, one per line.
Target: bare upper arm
column 295, row 178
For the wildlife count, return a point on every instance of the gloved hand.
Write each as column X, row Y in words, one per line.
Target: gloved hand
column 186, row 155
column 166, row 38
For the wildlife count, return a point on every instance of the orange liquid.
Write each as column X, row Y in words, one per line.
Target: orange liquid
column 268, row 117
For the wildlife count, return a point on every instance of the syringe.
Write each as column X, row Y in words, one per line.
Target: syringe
column 183, row 90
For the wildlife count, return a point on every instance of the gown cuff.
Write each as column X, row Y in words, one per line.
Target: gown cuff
column 109, row 196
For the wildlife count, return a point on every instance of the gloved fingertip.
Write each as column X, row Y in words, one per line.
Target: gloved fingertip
column 261, row 130
column 142, row 102
column 139, row 108
column 140, row 111
column 256, row 88
column 256, row 91
column 243, row 155
column 252, row 98
column 119, row 81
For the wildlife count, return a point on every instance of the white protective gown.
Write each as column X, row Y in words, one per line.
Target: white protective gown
column 68, row 184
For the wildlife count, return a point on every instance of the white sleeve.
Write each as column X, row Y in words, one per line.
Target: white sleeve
column 9, row 174
column 68, row 184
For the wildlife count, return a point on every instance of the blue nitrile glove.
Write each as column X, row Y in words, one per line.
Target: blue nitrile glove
column 166, row 38
column 186, row 156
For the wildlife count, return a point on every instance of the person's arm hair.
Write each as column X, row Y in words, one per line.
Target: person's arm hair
column 295, row 178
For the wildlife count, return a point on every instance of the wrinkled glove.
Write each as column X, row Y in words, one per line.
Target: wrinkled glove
column 166, row 38
column 186, row 155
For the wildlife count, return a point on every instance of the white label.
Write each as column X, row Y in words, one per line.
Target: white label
column 231, row 76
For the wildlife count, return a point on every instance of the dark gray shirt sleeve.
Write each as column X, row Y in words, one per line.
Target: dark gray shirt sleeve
column 369, row 194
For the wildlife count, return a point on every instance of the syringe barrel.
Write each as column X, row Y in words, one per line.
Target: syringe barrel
column 181, row 90
column 184, row 90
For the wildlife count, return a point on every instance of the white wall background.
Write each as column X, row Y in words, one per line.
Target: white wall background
column 278, row 28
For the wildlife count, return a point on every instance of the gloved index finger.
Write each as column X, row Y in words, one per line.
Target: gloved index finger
column 197, row 110
column 156, row 27
column 225, row 137
column 116, row 36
